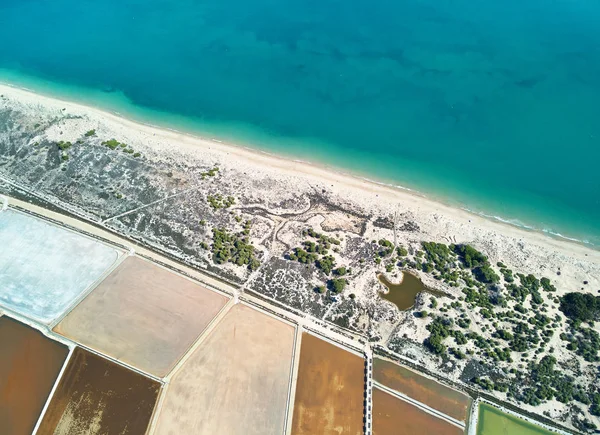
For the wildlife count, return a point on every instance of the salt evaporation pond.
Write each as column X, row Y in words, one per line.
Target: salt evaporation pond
column 44, row 268
column 493, row 421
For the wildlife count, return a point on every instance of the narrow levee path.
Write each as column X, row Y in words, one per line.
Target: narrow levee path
column 368, row 390
column 294, row 380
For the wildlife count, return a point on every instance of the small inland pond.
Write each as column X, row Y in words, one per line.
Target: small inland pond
column 404, row 294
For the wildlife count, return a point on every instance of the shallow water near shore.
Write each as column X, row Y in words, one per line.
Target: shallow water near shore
column 488, row 108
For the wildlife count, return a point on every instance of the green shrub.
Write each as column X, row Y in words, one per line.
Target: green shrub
column 580, row 307
column 470, row 256
column 486, row 274
column 112, row 143
column 64, row 145
column 232, row 248
column 337, row 285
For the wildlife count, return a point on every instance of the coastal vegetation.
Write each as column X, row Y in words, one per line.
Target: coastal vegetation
column 114, row 144
column 502, row 321
column 63, row 146
column 233, row 248
column 315, row 250
column 218, row 201
column 513, row 332
column 580, row 307
column 210, row 173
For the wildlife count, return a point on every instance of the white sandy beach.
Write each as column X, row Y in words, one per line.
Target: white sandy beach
column 451, row 222
column 521, row 250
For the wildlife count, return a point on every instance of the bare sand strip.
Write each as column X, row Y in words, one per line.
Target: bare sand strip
column 144, row 315
column 238, row 378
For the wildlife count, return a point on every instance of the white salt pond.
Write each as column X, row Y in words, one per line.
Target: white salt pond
column 44, row 268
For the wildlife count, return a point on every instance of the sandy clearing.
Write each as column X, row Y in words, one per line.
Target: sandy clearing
column 329, row 390
column 143, row 315
column 236, row 382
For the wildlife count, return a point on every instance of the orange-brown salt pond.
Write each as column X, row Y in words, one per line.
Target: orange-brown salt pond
column 329, row 390
column 98, row 397
column 143, row 315
column 433, row 394
column 29, row 366
column 394, row 416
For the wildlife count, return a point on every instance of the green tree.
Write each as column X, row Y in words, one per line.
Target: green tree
column 337, row 285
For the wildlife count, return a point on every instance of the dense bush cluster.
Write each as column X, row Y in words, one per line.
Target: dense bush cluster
column 218, row 201
column 113, row 144
column 580, row 307
column 470, row 256
column 317, row 253
column 233, row 248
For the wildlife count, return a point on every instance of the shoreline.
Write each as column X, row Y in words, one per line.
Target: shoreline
column 316, row 171
column 281, row 198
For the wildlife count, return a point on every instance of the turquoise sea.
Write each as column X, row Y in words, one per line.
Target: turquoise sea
column 491, row 105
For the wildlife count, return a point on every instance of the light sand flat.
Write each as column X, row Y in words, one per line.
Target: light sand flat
column 236, row 382
column 143, row 315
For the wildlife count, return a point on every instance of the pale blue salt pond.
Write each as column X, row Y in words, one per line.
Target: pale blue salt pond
column 45, row 268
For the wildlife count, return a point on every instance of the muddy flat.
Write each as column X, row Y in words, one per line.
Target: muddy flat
column 236, row 382
column 44, row 268
column 425, row 390
column 98, row 397
column 329, row 391
column 29, row 366
column 143, row 315
column 393, row 416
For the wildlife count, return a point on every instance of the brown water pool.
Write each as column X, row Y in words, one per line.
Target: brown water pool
column 29, row 365
column 404, row 294
column 96, row 396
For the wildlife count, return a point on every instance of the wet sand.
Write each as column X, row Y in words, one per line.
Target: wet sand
column 98, row 397
column 29, row 366
column 236, row 381
column 393, row 416
column 143, row 315
column 329, row 392
column 425, row 390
